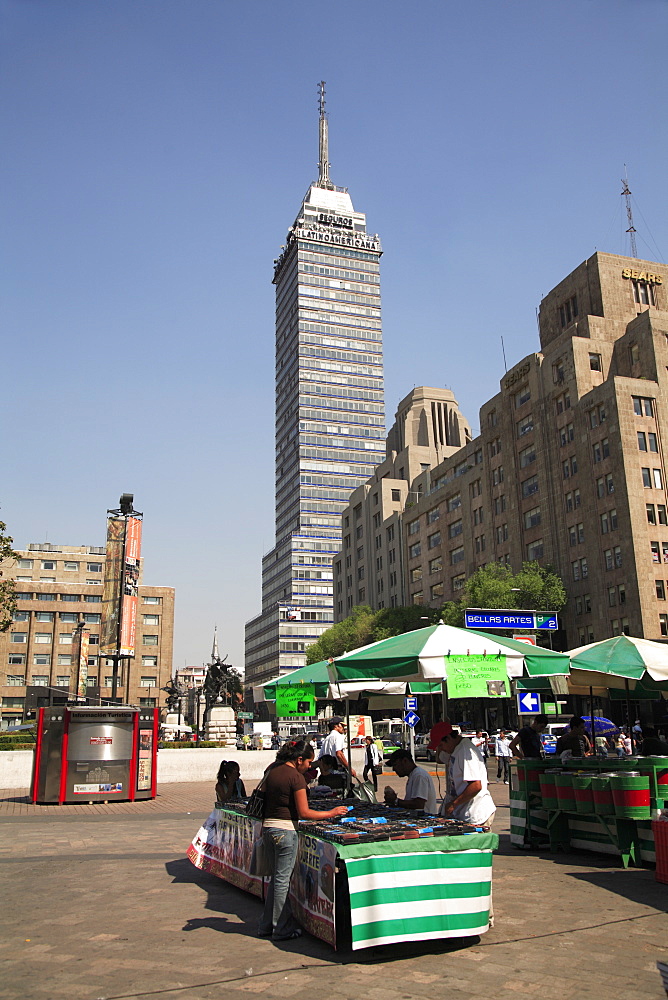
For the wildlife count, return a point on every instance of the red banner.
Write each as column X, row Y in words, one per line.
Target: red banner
column 111, row 594
column 130, row 586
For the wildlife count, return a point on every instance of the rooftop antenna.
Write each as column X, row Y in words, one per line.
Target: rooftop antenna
column 323, row 141
column 629, row 212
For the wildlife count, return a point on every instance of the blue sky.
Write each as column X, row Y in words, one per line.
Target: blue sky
column 156, row 152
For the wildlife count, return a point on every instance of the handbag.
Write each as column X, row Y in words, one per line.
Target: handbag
column 256, row 803
column 365, row 792
column 378, row 769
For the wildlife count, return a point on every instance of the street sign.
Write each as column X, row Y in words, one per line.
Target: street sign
column 410, row 704
column 245, row 715
column 411, row 719
column 528, row 703
column 481, row 619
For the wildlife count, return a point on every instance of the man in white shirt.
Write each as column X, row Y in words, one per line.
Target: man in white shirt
column 503, row 756
column 468, row 798
column 420, row 791
column 333, row 745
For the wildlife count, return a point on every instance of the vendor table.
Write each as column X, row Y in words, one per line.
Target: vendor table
column 365, row 894
column 561, row 820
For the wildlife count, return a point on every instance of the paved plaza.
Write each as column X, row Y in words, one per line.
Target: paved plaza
column 100, row 902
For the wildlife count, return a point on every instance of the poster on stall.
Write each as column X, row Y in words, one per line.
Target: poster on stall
column 312, row 887
column 294, row 700
column 223, row 846
column 477, row 676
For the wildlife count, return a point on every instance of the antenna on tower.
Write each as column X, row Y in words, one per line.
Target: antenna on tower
column 629, row 212
column 323, row 143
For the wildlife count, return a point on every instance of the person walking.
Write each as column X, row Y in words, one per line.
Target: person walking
column 372, row 762
column 334, row 744
column 503, row 756
column 527, row 743
column 286, row 802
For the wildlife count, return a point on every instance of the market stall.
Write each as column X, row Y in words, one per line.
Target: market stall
column 381, row 876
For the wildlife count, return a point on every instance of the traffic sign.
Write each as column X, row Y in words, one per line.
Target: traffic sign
column 411, row 719
column 410, row 704
column 479, row 618
column 245, row 715
column 528, row 703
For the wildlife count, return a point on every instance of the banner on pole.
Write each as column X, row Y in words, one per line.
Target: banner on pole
column 477, row 676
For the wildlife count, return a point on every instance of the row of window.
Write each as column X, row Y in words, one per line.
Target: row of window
column 63, row 680
column 22, row 595
column 49, row 616
column 68, row 566
column 43, row 659
column 65, row 638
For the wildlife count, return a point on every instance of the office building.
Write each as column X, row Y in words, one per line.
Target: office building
column 59, row 587
column 329, row 413
column 569, row 468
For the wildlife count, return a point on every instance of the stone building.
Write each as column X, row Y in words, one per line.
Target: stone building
column 59, row 587
column 569, row 466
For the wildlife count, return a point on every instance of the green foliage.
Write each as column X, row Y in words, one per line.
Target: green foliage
column 7, row 599
column 364, row 626
column 534, row 588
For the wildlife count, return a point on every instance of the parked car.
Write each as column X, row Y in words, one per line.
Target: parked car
column 422, row 751
column 549, row 742
column 357, row 741
column 389, row 746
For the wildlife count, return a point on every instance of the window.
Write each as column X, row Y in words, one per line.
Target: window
column 497, row 475
column 646, row 478
column 634, row 354
column 609, row 484
column 416, row 574
column 414, row 550
column 500, row 504
column 92, row 662
column 63, row 680
column 522, row 396
column 44, row 616
column 375, row 499
column 664, row 549
column 436, row 592
column 147, row 682
column 661, row 512
column 376, row 520
column 527, row 456
column 16, row 680
column 64, row 660
column 652, row 441
column 480, row 543
column 575, row 569
column 586, row 602
column 433, row 515
column 359, row 531
column 92, row 619
column 502, row 534
column 47, row 597
column 595, row 363
column 568, row 311
column 413, row 527
column 663, row 624
column 532, row 517
column 492, row 418
column 417, row 597
column 20, row 616
column 145, row 600
column 390, row 533
column 94, row 567
column 477, row 457
column 530, row 486
column 535, row 550
column 436, row 565
column 613, row 520
column 64, row 638
column 476, row 488
column 43, row 638
column 614, row 625
column 48, row 564
column 360, row 576
column 454, row 502
column 455, row 529
column 642, row 406
column 495, row 447
column 48, row 579
column 566, row 434
column 108, row 681
column 24, row 563
column 16, row 658
column 71, row 567
column 657, row 478
column 525, row 425
column 23, row 579
column 19, row 637
column 457, row 582
column 478, row 515
column 70, row 597
column 642, row 441
column 396, row 495
column 149, row 661
column 558, row 371
column 660, row 590
column 147, row 702
column 618, row 556
column 378, row 544
column 22, row 596
column 612, row 596
column 457, row 555
column 656, row 552
column 68, row 616
column 40, row 680
column 434, row 540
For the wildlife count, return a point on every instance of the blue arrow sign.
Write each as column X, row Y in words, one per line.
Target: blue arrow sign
column 410, row 704
column 411, row 719
column 528, row 703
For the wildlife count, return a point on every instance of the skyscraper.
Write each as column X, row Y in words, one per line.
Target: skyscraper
column 329, row 412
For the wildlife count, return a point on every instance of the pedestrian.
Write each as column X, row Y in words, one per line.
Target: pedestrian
column 601, row 746
column 503, row 756
column 575, row 742
column 286, row 802
column 334, row 743
column 480, row 743
column 420, row 792
column 619, row 745
column 246, row 740
column 527, row 742
column 372, row 762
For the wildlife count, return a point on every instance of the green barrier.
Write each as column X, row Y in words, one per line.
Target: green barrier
column 584, row 799
column 548, row 790
column 630, row 795
column 565, row 791
column 602, row 795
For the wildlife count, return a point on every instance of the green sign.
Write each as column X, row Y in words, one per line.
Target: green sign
column 245, row 715
column 294, row 700
column 550, row 707
column 477, row 676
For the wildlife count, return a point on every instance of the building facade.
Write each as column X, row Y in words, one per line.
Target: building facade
column 59, row 587
column 569, row 468
column 329, row 414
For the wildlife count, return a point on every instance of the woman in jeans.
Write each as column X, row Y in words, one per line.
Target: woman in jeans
column 286, row 802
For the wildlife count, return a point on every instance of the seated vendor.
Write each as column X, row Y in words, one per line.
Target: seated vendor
column 329, row 775
column 468, row 798
column 652, row 745
column 228, row 782
column 420, row 791
column 575, row 740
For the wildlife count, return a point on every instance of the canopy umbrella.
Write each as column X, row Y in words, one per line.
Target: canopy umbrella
column 318, row 675
column 602, row 727
column 436, row 653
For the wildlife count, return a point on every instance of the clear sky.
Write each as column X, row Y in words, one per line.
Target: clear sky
column 155, row 154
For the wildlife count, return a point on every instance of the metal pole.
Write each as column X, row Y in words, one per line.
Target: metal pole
column 591, row 716
column 350, row 762
column 628, row 714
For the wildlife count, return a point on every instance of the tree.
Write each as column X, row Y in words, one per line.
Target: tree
column 363, row 626
column 7, row 589
column 534, row 588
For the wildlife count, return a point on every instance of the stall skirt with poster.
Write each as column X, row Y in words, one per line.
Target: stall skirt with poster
column 414, row 897
column 312, row 887
column 223, row 846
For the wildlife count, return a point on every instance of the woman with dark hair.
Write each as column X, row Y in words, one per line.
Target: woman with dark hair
column 228, row 782
column 286, row 802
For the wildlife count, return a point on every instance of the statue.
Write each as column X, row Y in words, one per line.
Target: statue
column 175, row 691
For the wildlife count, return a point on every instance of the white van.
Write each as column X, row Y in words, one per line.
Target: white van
column 555, row 728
